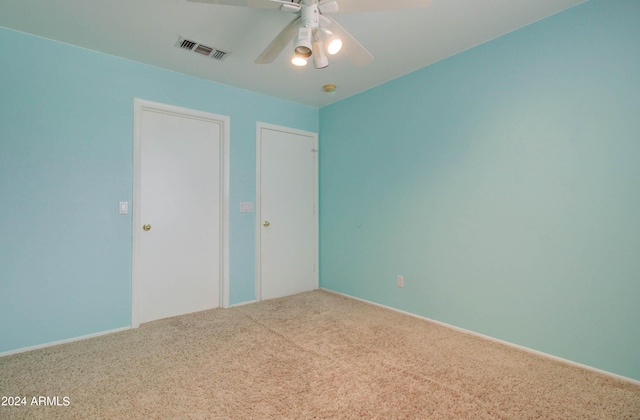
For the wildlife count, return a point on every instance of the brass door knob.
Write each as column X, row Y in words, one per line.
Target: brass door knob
column 146, row 227
column 265, row 223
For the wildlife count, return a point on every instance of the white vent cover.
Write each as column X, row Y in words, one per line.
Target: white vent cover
column 198, row 48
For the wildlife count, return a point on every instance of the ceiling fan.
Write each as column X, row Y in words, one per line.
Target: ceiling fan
column 315, row 33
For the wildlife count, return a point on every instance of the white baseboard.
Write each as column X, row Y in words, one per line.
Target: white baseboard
column 68, row 340
column 242, row 303
column 496, row 340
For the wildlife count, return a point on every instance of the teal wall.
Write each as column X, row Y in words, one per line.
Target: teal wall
column 504, row 184
column 66, row 151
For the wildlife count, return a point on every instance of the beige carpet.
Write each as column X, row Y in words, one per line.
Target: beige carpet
column 311, row 356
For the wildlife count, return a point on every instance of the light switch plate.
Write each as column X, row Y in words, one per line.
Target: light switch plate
column 123, row 207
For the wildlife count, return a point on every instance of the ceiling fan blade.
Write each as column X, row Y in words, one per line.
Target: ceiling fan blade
column 350, row 46
column 257, row 4
column 279, row 43
column 353, row 6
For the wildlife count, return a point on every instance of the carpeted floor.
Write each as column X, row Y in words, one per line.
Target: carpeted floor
column 315, row 355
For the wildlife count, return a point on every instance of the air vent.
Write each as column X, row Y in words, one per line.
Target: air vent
column 203, row 49
column 187, row 45
column 196, row 47
column 219, row 55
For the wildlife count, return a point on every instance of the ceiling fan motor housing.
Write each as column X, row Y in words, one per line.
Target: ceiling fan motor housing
column 310, row 15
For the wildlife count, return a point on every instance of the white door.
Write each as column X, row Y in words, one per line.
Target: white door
column 179, row 223
column 286, row 211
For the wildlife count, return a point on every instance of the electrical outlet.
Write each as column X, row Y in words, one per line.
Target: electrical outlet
column 400, row 281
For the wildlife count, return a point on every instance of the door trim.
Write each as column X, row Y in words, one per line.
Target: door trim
column 258, row 221
column 139, row 106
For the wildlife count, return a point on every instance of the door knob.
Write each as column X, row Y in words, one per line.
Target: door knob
column 265, row 223
column 146, row 227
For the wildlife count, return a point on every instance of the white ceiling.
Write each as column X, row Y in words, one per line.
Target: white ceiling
column 147, row 30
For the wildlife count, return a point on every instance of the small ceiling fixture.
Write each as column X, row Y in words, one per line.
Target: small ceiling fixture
column 329, row 88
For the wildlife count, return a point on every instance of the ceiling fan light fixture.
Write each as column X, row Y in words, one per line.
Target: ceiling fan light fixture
column 299, row 61
column 320, row 60
column 302, row 44
column 334, row 45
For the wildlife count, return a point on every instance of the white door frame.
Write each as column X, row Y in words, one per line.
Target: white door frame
column 139, row 106
column 259, row 127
